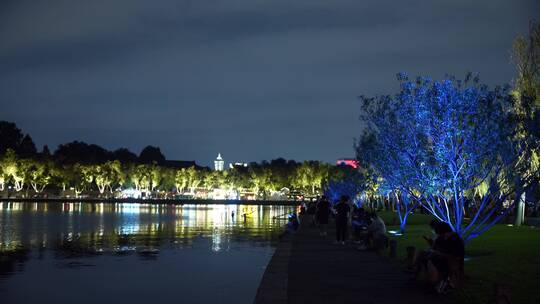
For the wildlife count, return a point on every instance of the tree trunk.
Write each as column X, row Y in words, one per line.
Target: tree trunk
column 520, row 208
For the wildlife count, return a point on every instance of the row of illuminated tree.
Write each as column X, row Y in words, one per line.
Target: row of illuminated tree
column 462, row 151
column 261, row 179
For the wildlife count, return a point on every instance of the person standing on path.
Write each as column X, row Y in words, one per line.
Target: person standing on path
column 342, row 219
column 312, row 210
column 322, row 212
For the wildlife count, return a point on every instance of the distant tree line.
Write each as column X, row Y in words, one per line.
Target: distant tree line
column 89, row 168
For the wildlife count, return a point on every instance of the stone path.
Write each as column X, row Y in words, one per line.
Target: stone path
column 321, row 272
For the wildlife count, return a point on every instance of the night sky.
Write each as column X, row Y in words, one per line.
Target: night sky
column 250, row 79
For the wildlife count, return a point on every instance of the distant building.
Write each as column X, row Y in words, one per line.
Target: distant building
column 219, row 163
column 348, row 162
column 236, row 165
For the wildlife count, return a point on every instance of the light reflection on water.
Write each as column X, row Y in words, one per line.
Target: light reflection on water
column 45, row 239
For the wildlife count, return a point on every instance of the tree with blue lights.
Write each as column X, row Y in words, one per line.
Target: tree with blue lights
column 345, row 180
column 388, row 150
column 404, row 205
column 349, row 187
column 438, row 142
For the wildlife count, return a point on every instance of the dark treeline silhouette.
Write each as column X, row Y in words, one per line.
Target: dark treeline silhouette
column 11, row 137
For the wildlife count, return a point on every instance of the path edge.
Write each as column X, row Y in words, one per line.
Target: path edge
column 273, row 286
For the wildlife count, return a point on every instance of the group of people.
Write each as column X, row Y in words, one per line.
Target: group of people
column 368, row 227
column 320, row 211
column 441, row 262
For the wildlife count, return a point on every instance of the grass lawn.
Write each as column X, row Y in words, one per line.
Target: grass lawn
column 504, row 255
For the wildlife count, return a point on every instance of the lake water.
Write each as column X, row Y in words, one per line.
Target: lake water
column 133, row 253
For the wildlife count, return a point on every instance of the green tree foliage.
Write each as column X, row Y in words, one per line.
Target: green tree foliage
column 14, row 169
column 82, row 177
column 310, row 177
column 237, row 178
column 140, row 176
column 8, row 167
column 181, row 180
column 62, row 176
column 195, row 178
column 39, row 174
column 187, row 179
column 156, row 176
column 526, row 110
column 168, row 176
column 107, row 175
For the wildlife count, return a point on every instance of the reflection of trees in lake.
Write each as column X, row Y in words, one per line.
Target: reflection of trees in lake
column 83, row 229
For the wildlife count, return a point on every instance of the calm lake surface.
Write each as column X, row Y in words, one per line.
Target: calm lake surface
column 133, row 253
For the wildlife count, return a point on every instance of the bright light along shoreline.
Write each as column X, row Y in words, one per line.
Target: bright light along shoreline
column 154, row 201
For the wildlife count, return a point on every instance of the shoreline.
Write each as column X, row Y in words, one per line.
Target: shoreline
column 274, row 282
column 150, row 201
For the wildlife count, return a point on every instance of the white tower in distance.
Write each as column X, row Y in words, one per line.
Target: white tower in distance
column 219, row 163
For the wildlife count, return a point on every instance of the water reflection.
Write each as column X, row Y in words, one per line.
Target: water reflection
column 82, row 230
column 106, row 227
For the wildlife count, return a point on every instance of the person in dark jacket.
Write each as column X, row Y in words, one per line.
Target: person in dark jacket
column 312, row 210
column 322, row 212
column 342, row 219
column 445, row 257
column 421, row 257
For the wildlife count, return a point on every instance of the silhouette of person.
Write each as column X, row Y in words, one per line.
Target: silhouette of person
column 342, row 219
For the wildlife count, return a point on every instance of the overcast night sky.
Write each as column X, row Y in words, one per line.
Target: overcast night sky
column 250, row 79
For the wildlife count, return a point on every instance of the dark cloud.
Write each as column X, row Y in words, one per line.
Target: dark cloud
column 252, row 79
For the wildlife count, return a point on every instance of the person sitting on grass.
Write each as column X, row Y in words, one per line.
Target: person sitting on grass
column 421, row 258
column 376, row 233
column 445, row 259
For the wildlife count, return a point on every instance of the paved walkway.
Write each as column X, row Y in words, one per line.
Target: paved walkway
column 308, row 268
